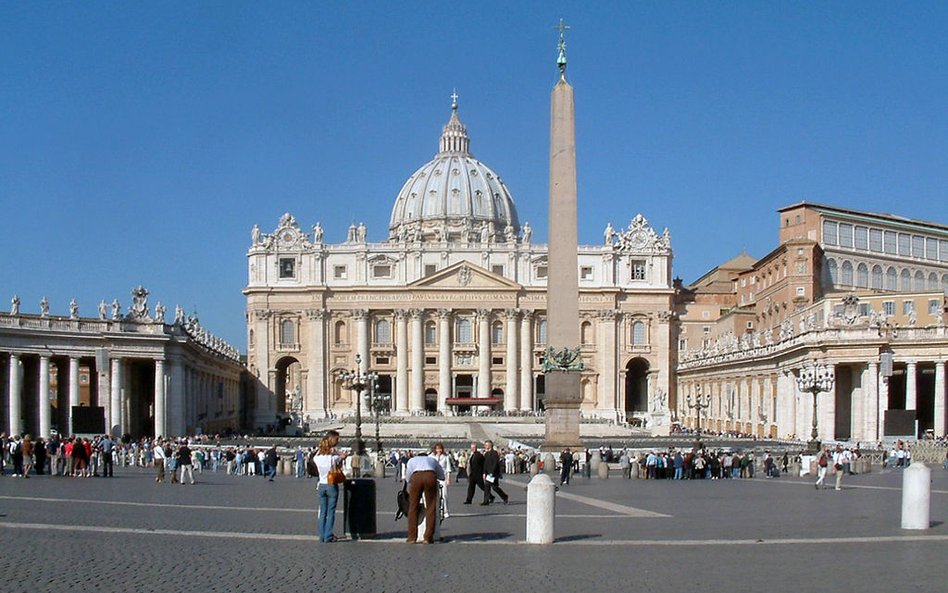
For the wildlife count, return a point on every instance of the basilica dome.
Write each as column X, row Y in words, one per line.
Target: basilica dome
column 454, row 197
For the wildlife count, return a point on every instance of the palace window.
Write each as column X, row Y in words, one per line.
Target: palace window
column 638, row 269
column 905, row 244
column 585, row 273
column 876, row 277
column 383, row 331
column 931, row 249
column 382, row 271
column 339, row 333
column 340, row 272
column 542, row 272
column 890, row 242
column 918, row 246
column 875, row 240
column 464, row 330
column 888, row 308
column 497, row 269
column 845, row 235
column 541, row 332
column 287, row 267
column 919, row 281
column 497, row 333
column 846, row 278
column 638, row 333
column 861, row 238
column 933, row 281
column 905, row 280
column 431, row 334
column 865, row 309
column 862, row 276
column 934, row 306
column 287, row 332
column 430, row 269
column 891, row 279
column 943, row 249
column 830, row 233
column 908, row 307
column 833, row 270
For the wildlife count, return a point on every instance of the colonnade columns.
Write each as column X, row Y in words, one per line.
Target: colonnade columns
column 417, row 397
column 400, row 404
column 73, row 388
column 315, row 395
column 526, row 362
column 939, row 425
column 883, row 404
column 444, row 358
column 14, row 407
column 43, row 397
column 483, row 353
column 827, row 410
column 858, row 406
column 115, row 403
column 870, row 398
column 161, row 426
column 176, row 398
column 752, row 410
column 608, row 402
column 911, row 386
column 511, row 400
column 362, row 337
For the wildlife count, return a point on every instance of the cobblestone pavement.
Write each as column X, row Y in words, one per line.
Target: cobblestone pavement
column 247, row 534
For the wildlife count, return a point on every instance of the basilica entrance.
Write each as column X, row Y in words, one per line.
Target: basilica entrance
column 287, row 391
column 636, row 387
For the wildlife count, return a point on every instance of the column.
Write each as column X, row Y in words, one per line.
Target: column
column 362, row 337
column 826, row 414
column 161, row 422
column 526, row 362
column 315, row 400
column 43, row 397
column 444, row 359
column 73, row 387
column 883, row 406
column 752, row 410
column 939, row 398
column 511, row 400
column 858, row 406
column 400, row 404
column 263, row 406
column 175, row 399
column 483, row 353
column 13, row 404
column 606, row 343
column 911, row 385
column 870, row 399
column 417, row 396
column 115, row 402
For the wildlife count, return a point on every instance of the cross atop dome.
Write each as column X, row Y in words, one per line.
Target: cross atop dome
column 454, row 139
column 454, row 100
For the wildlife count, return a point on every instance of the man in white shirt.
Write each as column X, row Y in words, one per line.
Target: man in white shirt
column 422, row 474
column 160, row 458
column 838, row 458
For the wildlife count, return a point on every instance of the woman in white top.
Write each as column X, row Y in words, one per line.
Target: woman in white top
column 444, row 460
column 325, row 459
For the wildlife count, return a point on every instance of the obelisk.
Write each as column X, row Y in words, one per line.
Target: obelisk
column 562, row 363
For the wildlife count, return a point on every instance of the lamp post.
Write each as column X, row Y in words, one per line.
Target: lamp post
column 357, row 381
column 698, row 404
column 814, row 378
column 377, row 402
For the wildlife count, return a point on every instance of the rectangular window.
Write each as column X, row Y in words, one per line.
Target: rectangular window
column 907, row 307
column 934, row 306
column 801, row 291
column 865, row 309
column 931, row 249
column 830, row 233
column 638, row 269
column 875, row 240
column 381, row 360
column 706, row 315
column 497, row 360
column 430, row 269
column 497, row 269
column 287, row 267
column 339, row 272
column 943, row 250
column 905, row 244
column 845, row 235
column 838, row 310
column 889, row 242
column 888, row 308
column 541, row 271
column 585, row 273
column 918, row 246
column 750, row 325
column 706, row 329
column 382, row 271
column 431, row 360
column 861, row 238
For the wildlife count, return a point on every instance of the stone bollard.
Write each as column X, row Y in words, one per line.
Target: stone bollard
column 534, row 469
column 594, row 463
column 635, row 471
column 549, row 464
column 916, row 496
column 603, row 471
column 541, row 509
column 379, row 469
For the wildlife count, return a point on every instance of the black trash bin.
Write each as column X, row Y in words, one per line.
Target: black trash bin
column 358, row 505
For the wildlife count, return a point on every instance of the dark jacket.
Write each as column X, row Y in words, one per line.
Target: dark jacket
column 184, row 455
column 475, row 465
column 492, row 463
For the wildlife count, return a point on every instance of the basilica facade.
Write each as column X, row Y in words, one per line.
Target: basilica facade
column 449, row 307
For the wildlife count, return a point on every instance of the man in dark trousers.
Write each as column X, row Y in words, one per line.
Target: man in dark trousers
column 492, row 471
column 475, row 473
column 566, row 466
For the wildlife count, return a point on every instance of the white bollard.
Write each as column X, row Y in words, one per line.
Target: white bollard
column 541, row 509
column 916, row 496
column 594, row 463
column 379, row 469
column 549, row 464
column 603, row 471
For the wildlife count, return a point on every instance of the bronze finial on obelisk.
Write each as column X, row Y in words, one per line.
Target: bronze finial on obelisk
column 563, row 363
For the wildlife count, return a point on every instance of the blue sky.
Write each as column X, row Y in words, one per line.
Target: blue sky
column 139, row 143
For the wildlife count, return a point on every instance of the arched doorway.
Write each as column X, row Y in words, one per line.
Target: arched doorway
column 288, row 394
column 431, row 400
column 636, row 386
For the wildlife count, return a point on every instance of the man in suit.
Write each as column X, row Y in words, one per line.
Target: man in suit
column 492, row 472
column 475, row 473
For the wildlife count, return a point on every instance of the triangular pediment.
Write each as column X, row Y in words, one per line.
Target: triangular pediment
column 462, row 276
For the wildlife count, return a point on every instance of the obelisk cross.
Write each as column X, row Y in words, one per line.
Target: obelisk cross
column 561, row 47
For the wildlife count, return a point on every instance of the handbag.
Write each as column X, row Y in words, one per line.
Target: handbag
column 335, row 475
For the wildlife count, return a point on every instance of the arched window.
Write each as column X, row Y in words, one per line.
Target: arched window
column 497, row 333
column 585, row 333
column 431, row 334
column 862, row 276
column 933, row 281
column 339, row 333
column 847, row 276
column 905, row 280
column 383, row 331
column 832, row 269
column 638, row 333
column 465, row 334
column 919, row 280
column 876, row 277
column 541, row 332
column 250, row 339
column 891, row 279
column 287, row 332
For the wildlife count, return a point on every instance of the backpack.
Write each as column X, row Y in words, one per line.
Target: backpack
column 311, row 469
column 401, row 502
column 823, row 462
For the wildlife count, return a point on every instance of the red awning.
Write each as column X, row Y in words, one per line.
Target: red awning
column 473, row 401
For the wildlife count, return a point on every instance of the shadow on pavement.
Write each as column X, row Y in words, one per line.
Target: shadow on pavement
column 480, row 537
column 576, row 538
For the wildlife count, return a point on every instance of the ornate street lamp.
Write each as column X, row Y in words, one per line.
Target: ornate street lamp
column 377, row 403
column 698, row 405
column 357, row 381
column 814, row 378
